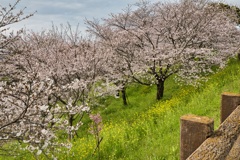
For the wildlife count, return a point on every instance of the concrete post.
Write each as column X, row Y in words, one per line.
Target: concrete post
column 229, row 103
column 194, row 131
column 224, row 143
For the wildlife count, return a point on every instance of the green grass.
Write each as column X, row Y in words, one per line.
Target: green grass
column 150, row 130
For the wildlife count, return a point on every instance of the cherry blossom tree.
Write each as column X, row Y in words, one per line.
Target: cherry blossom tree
column 229, row 9
column 25, row 115
column 233, row 12
column 155, row 41
column 8, row 16
column 50, row 80
column 112, row 42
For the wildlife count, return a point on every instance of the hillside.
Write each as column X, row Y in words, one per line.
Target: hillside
column 149, row 130
column 146, row 129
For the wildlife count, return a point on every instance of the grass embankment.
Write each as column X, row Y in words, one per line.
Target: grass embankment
column 150, row 130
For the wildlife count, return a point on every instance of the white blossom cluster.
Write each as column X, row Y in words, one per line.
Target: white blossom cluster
column 189, row 39
column 49, row 82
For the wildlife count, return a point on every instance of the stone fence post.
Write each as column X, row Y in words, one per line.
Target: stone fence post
column 229, row 103
column 224, row 143
column 194, row 131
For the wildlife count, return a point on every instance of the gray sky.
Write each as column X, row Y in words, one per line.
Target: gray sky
column 71, row 11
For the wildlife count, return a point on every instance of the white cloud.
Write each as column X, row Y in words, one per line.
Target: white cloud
column 72, row 11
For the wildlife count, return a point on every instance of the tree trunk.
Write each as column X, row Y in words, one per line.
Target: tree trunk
column 160, row 89
column 124, row 96
column 70, row 120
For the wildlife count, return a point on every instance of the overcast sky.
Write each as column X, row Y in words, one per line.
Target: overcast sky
column 71, row 11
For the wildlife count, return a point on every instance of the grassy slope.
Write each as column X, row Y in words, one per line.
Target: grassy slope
column 149, row 130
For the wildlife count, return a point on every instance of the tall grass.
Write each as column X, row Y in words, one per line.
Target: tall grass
column 150, row 130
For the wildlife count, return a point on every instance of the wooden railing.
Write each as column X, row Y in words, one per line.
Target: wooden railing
column 199, row 141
